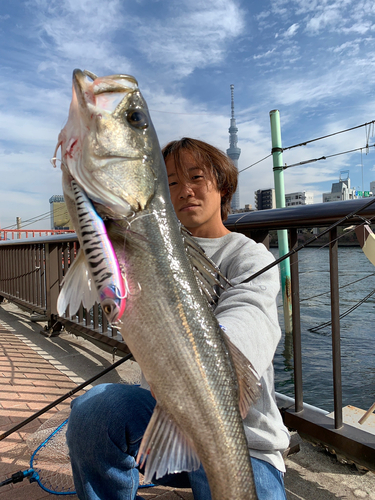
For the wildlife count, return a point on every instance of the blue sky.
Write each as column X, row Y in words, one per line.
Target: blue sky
column 312, row 60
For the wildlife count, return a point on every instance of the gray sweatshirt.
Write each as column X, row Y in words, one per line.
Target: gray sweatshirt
column 248, row 313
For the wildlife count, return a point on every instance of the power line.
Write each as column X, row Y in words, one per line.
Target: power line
column 252, row 165
column 318, row 139
column 38, row 218
column 325, row 157
column 329, row 135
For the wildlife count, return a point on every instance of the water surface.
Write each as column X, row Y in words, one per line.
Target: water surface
column 357, row 331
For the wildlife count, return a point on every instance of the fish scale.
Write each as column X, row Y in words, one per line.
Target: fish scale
column 205, row 397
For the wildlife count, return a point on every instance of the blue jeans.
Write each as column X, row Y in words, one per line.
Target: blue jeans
column 104, row 433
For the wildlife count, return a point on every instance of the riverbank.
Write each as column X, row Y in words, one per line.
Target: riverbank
column 35, row 370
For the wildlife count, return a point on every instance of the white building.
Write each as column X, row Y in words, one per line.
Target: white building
column 299, row 198
column 340, row 191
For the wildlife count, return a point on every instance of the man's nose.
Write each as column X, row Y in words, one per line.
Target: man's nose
column 186, row 190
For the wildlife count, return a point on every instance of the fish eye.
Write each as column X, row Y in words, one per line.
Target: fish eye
column 107, row 309
column 137, row 118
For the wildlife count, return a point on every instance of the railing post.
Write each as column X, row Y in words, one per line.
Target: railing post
column 296, row 319
column 335, row 318
column 52, row 282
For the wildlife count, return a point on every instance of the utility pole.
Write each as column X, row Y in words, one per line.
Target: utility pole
column 282, row 235
column 18, row 220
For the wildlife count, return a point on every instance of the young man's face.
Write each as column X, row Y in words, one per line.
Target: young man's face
column 196, row 200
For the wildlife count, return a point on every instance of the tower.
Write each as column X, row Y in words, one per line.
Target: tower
column 234, row 152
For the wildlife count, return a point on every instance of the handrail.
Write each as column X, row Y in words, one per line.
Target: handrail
column 316, row 215
column 17, row 233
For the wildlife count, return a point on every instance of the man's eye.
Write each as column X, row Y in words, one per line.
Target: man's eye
column 172, row 184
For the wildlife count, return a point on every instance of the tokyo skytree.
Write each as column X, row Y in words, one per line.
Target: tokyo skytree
column 234, row 152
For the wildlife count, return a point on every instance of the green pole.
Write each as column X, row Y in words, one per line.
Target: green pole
column 282, row 236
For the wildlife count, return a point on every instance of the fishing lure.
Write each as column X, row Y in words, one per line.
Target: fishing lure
column 96, row 262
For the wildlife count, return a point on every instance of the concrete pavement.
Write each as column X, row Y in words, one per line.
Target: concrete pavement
column 35, row 370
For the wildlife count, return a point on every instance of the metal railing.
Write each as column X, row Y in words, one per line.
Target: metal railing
column 16, row 234
column 31, row 273
column 355, row 444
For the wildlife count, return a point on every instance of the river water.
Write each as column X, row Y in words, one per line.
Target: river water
column 357, row 331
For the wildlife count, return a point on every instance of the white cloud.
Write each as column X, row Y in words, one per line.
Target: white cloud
column 322, row 21
column 265, row 54
column 79, row 30
column 197, row 36
column 291, row 31
column 360, row 28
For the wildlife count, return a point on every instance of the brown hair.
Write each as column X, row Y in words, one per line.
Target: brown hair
column 212, row 160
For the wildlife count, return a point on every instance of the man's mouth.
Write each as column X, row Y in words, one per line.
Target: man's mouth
column 188, row 207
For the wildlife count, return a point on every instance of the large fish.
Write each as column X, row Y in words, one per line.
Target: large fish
column 199, row 379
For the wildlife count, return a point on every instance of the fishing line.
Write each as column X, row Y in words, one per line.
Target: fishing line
column 326, row 293
column 328, row 323
column 311, row 240
column 342, row 286
column 300, row 261
column 64, row 397
column 316, row 237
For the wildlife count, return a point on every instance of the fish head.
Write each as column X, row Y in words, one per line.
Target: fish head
column 108, row 143
column 112, row 303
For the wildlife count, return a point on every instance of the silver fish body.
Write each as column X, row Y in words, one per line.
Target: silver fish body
column 168, row 324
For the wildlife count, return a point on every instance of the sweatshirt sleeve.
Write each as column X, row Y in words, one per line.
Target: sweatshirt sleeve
column 248, row 311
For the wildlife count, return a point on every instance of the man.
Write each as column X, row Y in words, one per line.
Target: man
column 107, row 424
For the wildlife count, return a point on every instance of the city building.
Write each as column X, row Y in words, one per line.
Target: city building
column 234, row 152
column 265, row 199
column 372, row 188
column 248, row 208
column 299, row 198
column 341, row 190
column 59, row 216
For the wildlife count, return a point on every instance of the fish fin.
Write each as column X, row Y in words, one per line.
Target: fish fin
column 208, row 275
column 77, row 287
column 164, row 448
column 248, row 379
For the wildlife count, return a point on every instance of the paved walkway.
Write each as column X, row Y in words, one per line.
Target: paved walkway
column 36, row 370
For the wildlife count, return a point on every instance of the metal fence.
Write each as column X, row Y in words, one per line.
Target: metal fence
column 355, row 444
column 31, row 273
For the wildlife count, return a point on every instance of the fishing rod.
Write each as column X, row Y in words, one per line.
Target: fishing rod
column 64, row 397
column 308, row 242
column 128, row 356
